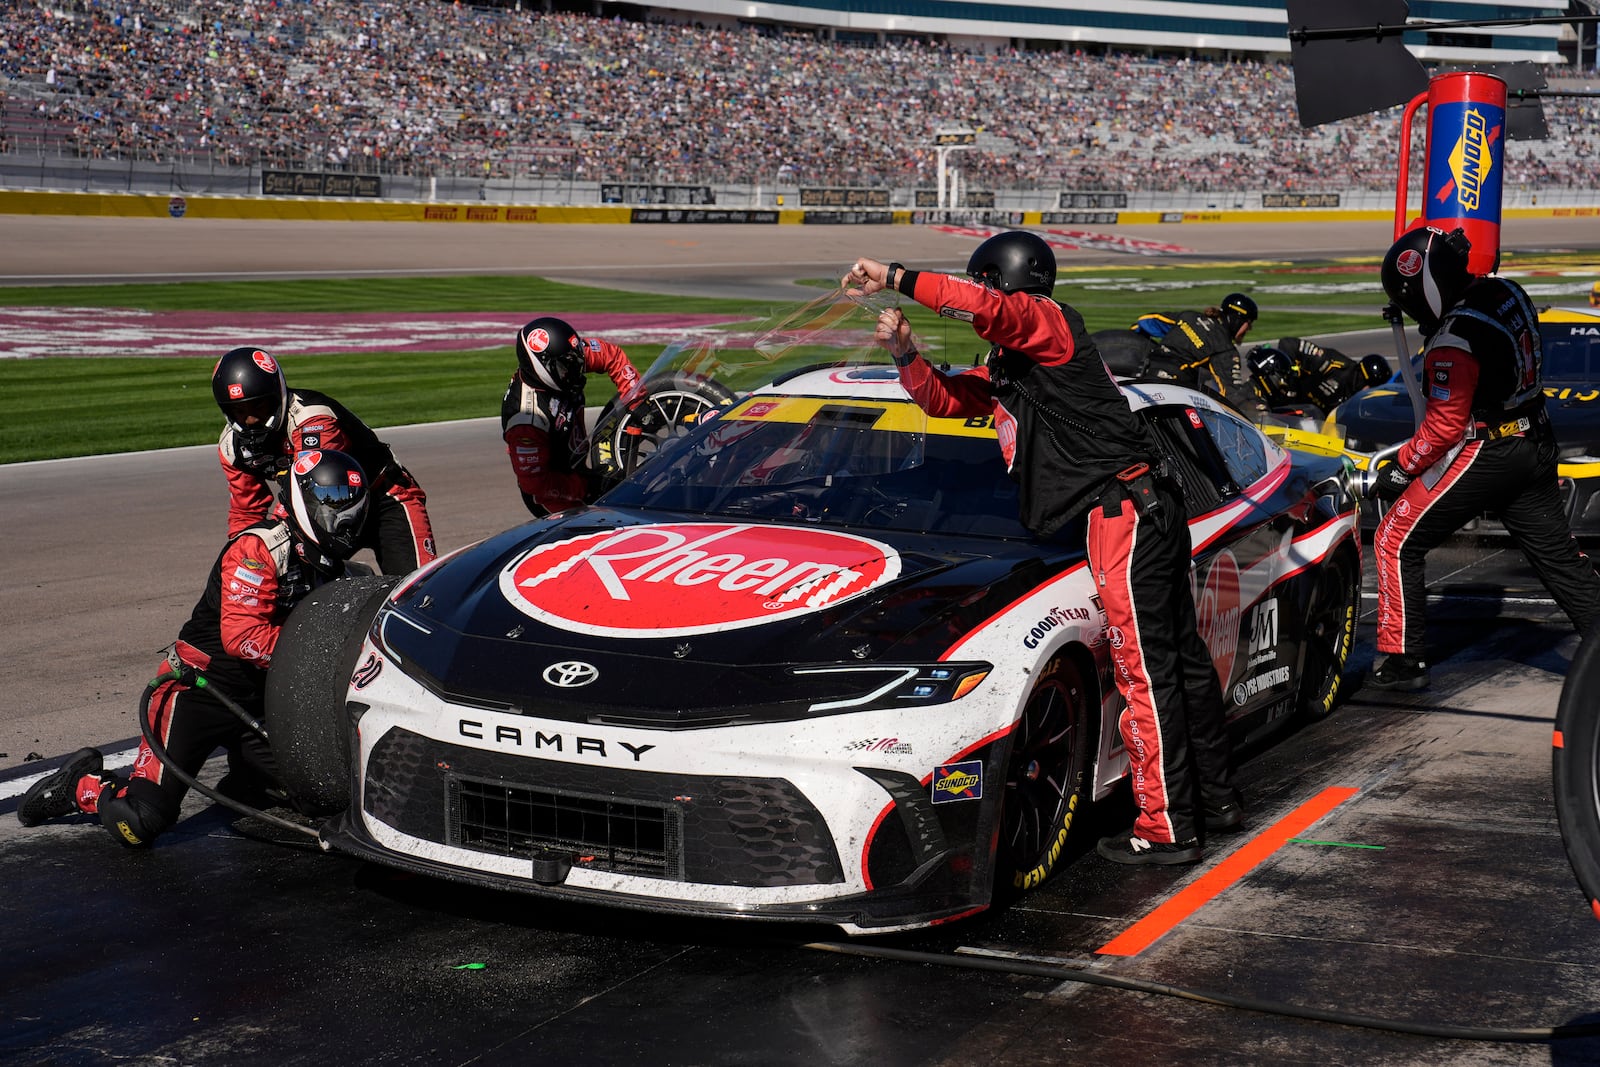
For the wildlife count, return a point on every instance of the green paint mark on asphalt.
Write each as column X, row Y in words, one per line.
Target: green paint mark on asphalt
column 472, row 967
column 1335, row 844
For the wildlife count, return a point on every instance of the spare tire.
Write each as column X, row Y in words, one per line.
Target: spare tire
column 1126, row 352
column 306, row 684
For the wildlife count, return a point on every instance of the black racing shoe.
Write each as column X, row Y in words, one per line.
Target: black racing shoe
column 1400, row 671
column 55, row 794
column 1225, row 817
column 1133, row 849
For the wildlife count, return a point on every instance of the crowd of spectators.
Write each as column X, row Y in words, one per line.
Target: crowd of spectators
column 430, row 87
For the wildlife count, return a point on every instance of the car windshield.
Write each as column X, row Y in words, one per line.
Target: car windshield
column 831, row 461
column 1571, row 352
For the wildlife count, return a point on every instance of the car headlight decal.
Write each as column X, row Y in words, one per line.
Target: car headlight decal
column 901, row 685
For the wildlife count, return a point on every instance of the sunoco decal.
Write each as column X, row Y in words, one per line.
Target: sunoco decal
column 958, row 781
column 671, row 579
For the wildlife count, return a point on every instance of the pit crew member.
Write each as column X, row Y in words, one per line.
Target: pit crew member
column 1200, row 349
column 542, row 414
column 268, row 424
column 261, row 574
column 1075, row 447
column 1300, row 373
column 1484, row 444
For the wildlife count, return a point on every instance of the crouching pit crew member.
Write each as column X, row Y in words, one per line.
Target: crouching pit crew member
column 542, row 417
column 269, row 424
column 260, row 575
column 1075, row 447
column 1484, row 444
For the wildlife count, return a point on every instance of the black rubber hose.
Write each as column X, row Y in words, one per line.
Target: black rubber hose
column 1076, row 974
column 191, row 676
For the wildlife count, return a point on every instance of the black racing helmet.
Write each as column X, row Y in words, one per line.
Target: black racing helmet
column 249, row 388
column 1375, row 370
column 1273, row 373
column 550, row 353
column 327, row 493
column 1238, row 311
column 1425, row 273
column 1017, row 261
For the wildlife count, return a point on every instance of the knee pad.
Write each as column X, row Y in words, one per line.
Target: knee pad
column 134, row 823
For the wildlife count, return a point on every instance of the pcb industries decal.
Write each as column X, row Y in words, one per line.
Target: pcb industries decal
column 671, row 579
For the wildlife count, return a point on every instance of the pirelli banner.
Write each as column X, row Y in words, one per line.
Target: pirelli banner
column 312, row 183
column 1322, row 200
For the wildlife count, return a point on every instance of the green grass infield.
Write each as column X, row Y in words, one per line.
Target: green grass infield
column 71, row 406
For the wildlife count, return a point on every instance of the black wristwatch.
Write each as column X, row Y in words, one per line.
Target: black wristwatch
column 888, row 279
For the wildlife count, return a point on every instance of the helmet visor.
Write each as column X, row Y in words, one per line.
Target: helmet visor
column 330, row 515
column 253, row 413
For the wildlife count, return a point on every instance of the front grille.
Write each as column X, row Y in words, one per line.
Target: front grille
column 603, row 832
column 712, row 829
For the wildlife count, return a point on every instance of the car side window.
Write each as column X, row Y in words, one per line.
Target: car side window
column 1243, row 449
column 1192, row 458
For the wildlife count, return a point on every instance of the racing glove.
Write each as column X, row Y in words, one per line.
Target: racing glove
column 1389, row 482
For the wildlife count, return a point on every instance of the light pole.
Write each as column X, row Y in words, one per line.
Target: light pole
column 947, row 139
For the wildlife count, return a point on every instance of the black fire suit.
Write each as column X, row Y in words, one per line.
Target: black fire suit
column 1196, row 350
column 1484, row 444
column 1326, row 376
column 1074, row 446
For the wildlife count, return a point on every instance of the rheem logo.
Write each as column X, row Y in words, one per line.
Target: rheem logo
column 685, row 578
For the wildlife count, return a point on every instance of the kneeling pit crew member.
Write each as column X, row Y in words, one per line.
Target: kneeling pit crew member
column 261, row 574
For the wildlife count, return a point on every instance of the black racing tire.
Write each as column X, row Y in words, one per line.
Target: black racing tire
column 671, row 405
column 1049, row 774
column 1576, row 766
column 1330, row 633
column 311, row 668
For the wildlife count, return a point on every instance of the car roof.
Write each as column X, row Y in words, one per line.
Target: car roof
column 1570, row 314
column 882, row 382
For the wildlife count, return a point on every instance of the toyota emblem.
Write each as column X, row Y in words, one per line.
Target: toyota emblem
column 570, row 674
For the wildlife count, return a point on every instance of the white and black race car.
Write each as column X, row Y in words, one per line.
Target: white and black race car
column 804, row 665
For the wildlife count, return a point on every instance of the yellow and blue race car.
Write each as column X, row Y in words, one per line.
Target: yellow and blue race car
column 1379, row 417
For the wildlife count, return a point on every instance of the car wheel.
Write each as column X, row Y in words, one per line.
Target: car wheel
column 1576, row 763
column 1330, row 633
column 671, row 405
column 311, row 668
column 1048, row 774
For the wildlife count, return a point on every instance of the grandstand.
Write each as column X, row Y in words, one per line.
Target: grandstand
column 531, row 101
column 1252, row 28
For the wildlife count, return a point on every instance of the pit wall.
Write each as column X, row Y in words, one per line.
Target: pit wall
column 146, row 205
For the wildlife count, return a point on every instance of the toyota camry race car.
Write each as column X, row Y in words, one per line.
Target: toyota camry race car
column 806, row 664
column 1569, row 338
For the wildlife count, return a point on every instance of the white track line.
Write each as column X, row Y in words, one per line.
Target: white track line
column 114, row 761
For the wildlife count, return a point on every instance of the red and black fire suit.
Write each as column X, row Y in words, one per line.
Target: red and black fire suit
column 1484, row 444
column 1196, row 350
column 1073, row 445
column 545, row 434
column 397, row 527
column 257, row 579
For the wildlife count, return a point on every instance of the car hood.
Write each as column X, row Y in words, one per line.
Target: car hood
column 630, row 616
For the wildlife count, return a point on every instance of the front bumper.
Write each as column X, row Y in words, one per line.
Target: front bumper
column 786, row 822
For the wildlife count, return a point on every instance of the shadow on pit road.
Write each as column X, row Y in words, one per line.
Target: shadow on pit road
column 1437, row 893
